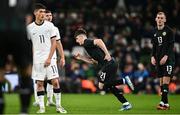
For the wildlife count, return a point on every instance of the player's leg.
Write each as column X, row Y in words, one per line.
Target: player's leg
column 57, row 95
column 40, row 72
column 109, row 73
column 49, row 89
column 161, row 104
column 40, row 94
column 1, row 92
column 36, row 102
column 110, row 81
column 21, row 50
column 25, row 82
column 118, row 94
column 160, row 76
column 121, row 98
column 54, row 76
column 3, row 54
column 125, row 80
column 165, row 90
column 164, row 83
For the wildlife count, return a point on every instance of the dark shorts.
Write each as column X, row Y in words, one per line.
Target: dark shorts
column 165, row 70
column 108, row 72
column 17, row 44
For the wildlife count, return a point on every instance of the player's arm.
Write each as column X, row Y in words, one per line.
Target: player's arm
column 153, row 60
column 153, row 53
column 52, row 49
column 168, row 46
column 100, row 43
column 85, row 59
column 61, row 52
column 59, row 47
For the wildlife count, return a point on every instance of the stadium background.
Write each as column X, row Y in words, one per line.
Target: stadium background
column 126, row 28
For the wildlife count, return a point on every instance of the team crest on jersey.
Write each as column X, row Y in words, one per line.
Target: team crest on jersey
column 164, row 33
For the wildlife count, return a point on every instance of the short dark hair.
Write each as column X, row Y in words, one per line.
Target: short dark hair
column 80, row 31
column 161, row 13
column 48, row 11
column 38, row 6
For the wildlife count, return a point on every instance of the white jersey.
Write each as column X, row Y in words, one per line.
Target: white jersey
column 41, row 35
column 58, row 37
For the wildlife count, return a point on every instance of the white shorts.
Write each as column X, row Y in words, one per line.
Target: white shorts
column 39, row 72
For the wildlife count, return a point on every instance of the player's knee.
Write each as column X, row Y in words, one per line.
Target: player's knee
column 166, row 80
column 40, row 85
column 55, row 83
column 101, row 86
column 26, row 71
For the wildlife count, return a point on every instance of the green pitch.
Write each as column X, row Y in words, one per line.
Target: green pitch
column 100, row 104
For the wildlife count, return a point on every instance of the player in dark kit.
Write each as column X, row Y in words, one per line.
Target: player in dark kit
column 163, row 57
column 14, row 41
column 108, row 74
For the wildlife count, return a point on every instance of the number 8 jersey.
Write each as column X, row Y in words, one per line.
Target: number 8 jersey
column 41, row 36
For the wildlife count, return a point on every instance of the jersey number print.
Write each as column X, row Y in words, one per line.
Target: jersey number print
column 169, row 69
column 160, row 40
column 103, row 76
column 42, row 40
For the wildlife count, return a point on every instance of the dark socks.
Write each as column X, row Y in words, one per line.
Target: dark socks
column 118, row 94
column 161, row 91
column 1, row 100
column 25, row 93
column 57, row 90
column 39, row 93
column 164, row 96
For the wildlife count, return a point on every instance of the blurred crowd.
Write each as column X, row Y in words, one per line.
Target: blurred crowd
column 126, row 27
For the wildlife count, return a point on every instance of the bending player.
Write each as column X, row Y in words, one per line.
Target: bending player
column 108, row 74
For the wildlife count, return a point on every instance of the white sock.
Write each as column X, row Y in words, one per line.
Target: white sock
column 49, row 89
column 35, row 91
column 58, row 99
column 126, row 103
column 161, row 103
column 41, row 101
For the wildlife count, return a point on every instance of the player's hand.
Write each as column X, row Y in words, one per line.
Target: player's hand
column 153, row 61
column 62, row 62
column 47, row 62
column 163, row 60
column 107, row 57
column 77, row 56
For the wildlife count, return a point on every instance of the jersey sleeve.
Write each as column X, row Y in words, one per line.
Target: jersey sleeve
column 58, row 37
column 153, row 53
column 28, row 33
column 52, row 32
column 88, row 43
column 169, row 44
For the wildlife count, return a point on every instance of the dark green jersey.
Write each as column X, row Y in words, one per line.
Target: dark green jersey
column 163, row 44
column 95, row 52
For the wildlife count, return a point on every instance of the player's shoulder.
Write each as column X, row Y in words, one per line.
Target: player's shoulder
column 56, row 28
column 167, row 28
column 48, row 23
column 31, row 25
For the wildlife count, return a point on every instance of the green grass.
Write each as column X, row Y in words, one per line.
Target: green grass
column 100, row 104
